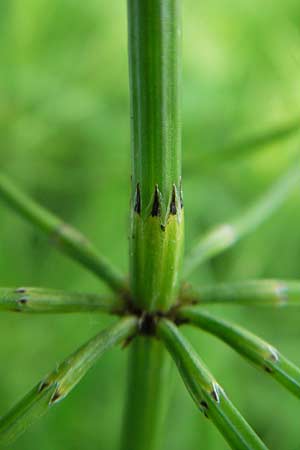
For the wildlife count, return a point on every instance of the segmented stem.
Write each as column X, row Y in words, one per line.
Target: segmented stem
column 156, row 214
column 156, row 235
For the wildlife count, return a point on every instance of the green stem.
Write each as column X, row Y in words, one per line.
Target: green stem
column 56, row 386
column 147, row 396
column 156, row 204
column 156, row 236
column 69, row 240
column 251, row 347
column 226, row 235
column 252, row 292
column 38, row 300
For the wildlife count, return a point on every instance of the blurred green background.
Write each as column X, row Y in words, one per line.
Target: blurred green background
column 64, row 132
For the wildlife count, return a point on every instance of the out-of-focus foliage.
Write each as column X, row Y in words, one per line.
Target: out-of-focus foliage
column 64, row 128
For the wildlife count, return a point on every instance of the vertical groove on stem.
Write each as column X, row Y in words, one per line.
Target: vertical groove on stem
column 156, row 235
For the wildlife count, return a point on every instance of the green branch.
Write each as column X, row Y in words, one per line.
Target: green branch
column 206, row 392
column 243, row 147
column 56, row 386
column 38, row 300
column 252, row 292
column 259, row 352
column 69, row 240
column 226, row 235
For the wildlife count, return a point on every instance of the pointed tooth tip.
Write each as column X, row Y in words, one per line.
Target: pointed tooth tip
column 44, row 385
column 56, row 397
column 173, row 207
column 137, row 201
column 156, row 203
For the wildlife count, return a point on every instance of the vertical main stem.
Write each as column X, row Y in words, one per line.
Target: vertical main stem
column 154, row 31
column 156, row 235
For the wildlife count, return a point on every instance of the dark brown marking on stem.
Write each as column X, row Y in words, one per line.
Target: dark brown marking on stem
column 156, row 203
column 268, row 369
column 180, row 320
column 20, row 291
column 127, row 342
column 55, row 397
column 173, row 208
column 147, row 324
column 23, row 301
column 204, row 407
column 44, row 385
column 214, row 393
column 137, row 201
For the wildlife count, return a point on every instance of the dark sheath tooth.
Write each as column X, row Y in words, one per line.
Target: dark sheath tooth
column 156, row 204
column 137, row 204
column 181, row 194
column 20, row 291
column 173, row 208
column 56, row 397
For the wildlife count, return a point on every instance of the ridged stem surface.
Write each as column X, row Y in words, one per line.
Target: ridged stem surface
column 259, row 352
column 50, row 301
column 156, row 205
column 208, row 395
column 156, row 234
column 250, row 292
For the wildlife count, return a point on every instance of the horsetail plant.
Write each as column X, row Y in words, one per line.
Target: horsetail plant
column 156, row 300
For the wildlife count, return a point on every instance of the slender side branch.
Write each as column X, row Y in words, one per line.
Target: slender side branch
column 56, row 386
column 226, row 235
column 69, row 240
column 252, row 292
column 259, row 352
column 244, row 147
column 38, row 300
column 206, row 392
